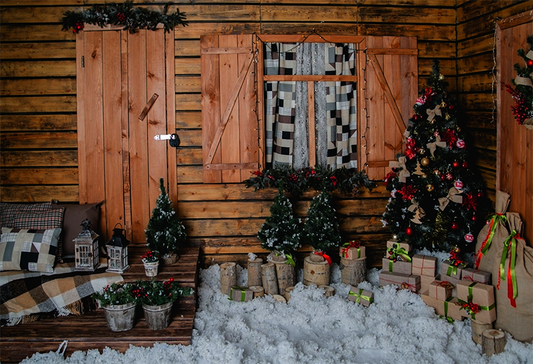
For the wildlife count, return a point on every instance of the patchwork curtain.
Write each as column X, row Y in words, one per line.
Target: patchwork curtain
column 287, row 111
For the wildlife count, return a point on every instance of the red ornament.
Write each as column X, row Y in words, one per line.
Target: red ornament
column 530, row 62
column 480, row 194
column 469, row 237
column 442, row 177
column 409, row 231
column 455, row 226
column 455, row 164
column 460, row 143
column 465, row 165
column 474, row 218
column 449, row 176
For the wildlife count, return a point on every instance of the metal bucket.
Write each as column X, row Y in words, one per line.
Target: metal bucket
column 158, row 317
column 120, row 317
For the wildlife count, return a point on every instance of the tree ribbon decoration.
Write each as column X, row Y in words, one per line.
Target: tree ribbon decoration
column 404, row 172
column 437, row 143
column 351, row 244
column 325, row 256
column 524, row 81
column 453, row 195
column 509, row 247
column 434, row 112
column 418, row 211
column 360, row 295
column 496, row 218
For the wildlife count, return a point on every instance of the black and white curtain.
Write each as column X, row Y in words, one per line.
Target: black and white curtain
column 287, row 111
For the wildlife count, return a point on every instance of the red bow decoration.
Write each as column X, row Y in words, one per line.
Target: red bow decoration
column 471, row 308
column 325, row 256
column 347, row 246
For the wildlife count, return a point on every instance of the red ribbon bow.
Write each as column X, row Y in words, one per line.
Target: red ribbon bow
column 325, row 256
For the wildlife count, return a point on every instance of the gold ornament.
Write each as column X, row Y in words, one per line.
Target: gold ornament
column 430, row 187
column 424, row 175
column 422, row 151
column 443, row 104
column 457, row 249
column 424, row 162
column 436, row 172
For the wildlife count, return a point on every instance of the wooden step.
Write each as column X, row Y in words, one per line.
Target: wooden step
column 89, row 331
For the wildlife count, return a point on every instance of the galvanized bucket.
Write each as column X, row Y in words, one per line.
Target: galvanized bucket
column 120, row 317
column 158, row 317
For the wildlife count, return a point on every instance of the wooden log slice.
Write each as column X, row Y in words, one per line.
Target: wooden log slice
column 254, row 272
column 317, row 273
column 477, row 331
column 268, row 275
column 493, row 342
column 258, row 291
column 228, row 277
column 285, row 275
column 353, row 272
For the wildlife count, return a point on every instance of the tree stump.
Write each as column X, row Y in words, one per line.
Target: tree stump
column 279, row 298
column 329, row 291
column 285, row 275
column 316, row 272
column 254, row 272
column 258, row 291
column 268, row 275
column 493, row 342
column 228, row 277
column 477, row 330
column 353, row 272
column 288, row 292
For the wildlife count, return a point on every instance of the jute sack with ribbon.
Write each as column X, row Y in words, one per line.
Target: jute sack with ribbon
column 513, row 271
column 492, row 234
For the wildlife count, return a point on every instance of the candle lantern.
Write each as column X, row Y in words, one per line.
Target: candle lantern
column 117, row 251
column 86, row 248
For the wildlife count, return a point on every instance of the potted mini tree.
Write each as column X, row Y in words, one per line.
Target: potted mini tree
column 321, row 231
column 118, row 301
column 165, row 232
column 280, row 234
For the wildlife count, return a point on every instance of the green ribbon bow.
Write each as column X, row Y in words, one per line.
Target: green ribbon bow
column 488, row 240
column 290, row 259
column 401, row 252
column 360, row 295
column 509, row 248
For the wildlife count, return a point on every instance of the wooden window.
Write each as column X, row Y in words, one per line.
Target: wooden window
column 233, row 96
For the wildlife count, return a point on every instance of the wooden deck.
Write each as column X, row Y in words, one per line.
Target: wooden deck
column 89, row 331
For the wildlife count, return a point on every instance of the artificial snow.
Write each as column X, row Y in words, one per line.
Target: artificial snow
column 397, row 328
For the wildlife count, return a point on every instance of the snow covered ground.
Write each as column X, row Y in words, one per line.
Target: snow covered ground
column 397, row 328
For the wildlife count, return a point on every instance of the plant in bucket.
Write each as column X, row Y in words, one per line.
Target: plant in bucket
column 321, row 231
column 165, row 232
column 118, row 301
column 157, row 298
column 150, row 260
column 280, row 234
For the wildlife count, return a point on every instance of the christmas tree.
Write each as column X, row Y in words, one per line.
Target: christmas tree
column 321, row 228
column 437, row 200
column 165, row 232
column 281, row 230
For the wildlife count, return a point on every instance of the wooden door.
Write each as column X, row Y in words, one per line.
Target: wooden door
column 119, row 161
column 515, row 142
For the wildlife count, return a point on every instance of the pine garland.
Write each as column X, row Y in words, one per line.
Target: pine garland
column 522, row 93
column 126, row 15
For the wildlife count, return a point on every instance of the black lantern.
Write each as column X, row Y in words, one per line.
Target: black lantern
column 86, row 248
column 117, row 251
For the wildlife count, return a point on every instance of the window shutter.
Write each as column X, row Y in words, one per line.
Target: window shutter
column 389, row 85
column 230, row 130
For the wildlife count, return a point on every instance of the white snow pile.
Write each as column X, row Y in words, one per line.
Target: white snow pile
column 397, row 328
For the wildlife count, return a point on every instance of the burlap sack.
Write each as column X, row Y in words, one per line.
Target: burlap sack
column 495, row 231
column 514, row 294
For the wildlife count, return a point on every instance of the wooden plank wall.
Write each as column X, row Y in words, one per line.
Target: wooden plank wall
column 38, row 100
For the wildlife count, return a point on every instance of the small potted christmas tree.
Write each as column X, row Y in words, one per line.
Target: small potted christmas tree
column 321, row 231
column 165, row 232
column 280, row 234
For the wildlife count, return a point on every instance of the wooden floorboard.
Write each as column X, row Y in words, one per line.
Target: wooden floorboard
column 89, row 331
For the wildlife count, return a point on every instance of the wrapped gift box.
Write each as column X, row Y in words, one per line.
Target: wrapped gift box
column 447, row 269
column 448, row 309
column 474, row 275
column 396, row 267
column 480, row 295
column 361, row 296
column 394, row 244
column 453, row 281
column 408, row 281
column 425, row 282
column 424, row 265
column 440, row 290
column 241, row 294
column 352, row 253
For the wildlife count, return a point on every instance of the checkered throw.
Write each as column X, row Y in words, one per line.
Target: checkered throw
column 25, row 294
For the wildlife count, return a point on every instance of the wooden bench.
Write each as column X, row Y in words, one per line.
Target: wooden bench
column 89, row 331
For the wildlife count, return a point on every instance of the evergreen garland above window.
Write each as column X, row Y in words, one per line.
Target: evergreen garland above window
column 125, row 15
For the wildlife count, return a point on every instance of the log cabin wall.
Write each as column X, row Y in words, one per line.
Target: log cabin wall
column 38, row 103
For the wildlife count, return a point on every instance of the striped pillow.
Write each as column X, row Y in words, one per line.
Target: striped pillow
column 34, row 250
column 49, row 219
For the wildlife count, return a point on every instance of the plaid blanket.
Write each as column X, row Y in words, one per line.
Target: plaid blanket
column 25, row 295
